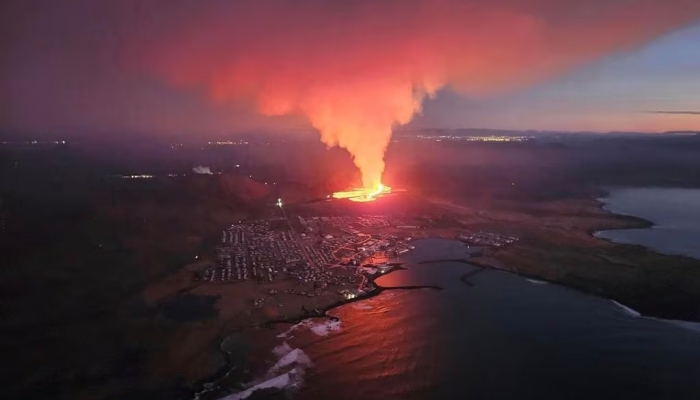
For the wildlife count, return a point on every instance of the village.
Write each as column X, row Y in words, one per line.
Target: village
column 325, row 252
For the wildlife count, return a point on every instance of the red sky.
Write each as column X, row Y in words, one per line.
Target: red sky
column 193, row 66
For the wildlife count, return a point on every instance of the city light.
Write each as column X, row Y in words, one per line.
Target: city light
column 140, row 176
column 482, row 138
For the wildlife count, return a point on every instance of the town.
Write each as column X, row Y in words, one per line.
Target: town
column 486, row 239
column 323, row 251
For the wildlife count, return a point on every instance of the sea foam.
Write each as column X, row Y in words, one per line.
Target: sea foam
column 295, row 362
column 629, row 311
column 293, row 328
column 319, row 328
column 279, row 382
column 536, row 282
column 282, row 350
column 296, row 356
column 323, row 329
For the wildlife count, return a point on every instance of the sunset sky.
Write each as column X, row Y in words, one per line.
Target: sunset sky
column 216, row 67
column 653, row 88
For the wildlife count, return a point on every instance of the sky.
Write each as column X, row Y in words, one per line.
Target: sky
column 653, row 88
column 220, row 67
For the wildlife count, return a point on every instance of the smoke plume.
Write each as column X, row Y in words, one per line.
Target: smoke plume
column 356, row 69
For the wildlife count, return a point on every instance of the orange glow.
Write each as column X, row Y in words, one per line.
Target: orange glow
column 355, row 70
column 363, row 195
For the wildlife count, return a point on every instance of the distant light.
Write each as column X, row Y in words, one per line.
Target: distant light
column 238, row 166
column 141, row 176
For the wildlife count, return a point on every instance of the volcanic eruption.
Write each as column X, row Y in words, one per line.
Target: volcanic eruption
column 363, row 194
column 357, row 69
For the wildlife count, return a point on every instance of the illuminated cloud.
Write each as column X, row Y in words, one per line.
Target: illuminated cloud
column 353, row 69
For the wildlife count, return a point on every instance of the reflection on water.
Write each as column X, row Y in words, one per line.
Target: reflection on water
column 675, row 213
column 503, row 337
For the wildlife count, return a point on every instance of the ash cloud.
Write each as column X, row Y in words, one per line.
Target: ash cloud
column 353, row 69
column 357, row 69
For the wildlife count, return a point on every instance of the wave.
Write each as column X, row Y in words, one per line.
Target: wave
column 293, row 361
column 323, row 329
column 362, row 307
column 293, row 328
column 282, row 350
column 319, row 328
column 281, row 382
column 693, row 326
column 536, row 282
column 295, row 357
column 629, row 311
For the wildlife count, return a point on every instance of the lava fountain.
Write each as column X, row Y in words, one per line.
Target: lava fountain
column 362, row 194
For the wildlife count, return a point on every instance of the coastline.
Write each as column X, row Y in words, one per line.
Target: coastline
column 634, row 221
column 642, row 303
column 644, row 224
column 610, row 221
column 210, row 388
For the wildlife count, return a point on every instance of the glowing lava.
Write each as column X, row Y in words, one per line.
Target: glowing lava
column 363, row 194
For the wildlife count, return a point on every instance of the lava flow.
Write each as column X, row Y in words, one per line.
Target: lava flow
column 362, row 194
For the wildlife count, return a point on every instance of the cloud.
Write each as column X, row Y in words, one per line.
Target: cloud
column 353, row 68
column 674, row 112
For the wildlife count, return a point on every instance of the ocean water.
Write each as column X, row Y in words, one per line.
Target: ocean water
column 674, row 212
column 497, row 336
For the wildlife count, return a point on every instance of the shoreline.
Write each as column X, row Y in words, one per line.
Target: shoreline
column 480, row 267
column 638, row 303
column 639, row 222
column 643, row 223
column 208, row 388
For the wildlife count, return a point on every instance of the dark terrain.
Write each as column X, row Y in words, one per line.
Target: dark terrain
column 79, row 245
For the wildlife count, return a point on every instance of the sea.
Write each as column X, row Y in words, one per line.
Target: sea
column 674, row 212
column 493, row 335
